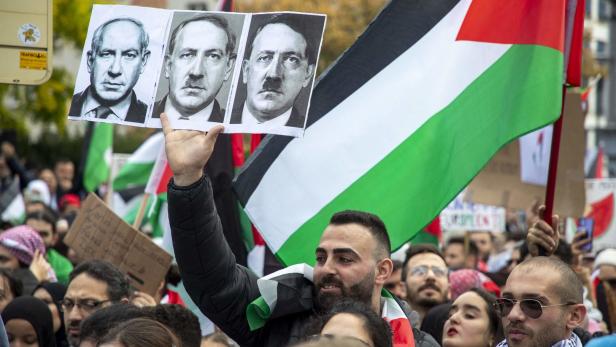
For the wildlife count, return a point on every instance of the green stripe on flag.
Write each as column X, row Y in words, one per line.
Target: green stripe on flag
column 517, row 94
column 133, row 175
column 98, row 161
column 257, row 313
column 425, row 237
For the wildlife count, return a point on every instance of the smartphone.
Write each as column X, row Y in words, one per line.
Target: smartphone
column 586, row 225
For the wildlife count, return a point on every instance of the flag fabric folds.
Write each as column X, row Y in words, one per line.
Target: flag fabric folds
column 407, row 116
column 98, row 159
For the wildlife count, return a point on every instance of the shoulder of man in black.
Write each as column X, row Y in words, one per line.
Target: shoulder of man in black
column 218, row 114
column 77, row 103
column 296, row 119
column 159, row 107
column 137, row 110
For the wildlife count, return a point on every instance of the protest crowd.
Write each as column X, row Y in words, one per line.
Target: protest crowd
column 477, row 288
column 74, row 273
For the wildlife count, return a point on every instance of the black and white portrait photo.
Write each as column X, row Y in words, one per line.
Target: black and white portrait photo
column 115, row 83
column 278, row 70
column 200, row 58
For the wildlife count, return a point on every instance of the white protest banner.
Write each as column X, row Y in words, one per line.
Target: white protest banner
column 250, row 72
column 466, row 216
column 535, row 156
column 600, row 197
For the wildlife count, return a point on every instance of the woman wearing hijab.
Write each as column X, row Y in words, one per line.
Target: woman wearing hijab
column 28, row 322
column 22, row 251
column 52, row 294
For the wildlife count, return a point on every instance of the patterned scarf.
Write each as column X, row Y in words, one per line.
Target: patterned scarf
column 289, row 291
column 572, row 341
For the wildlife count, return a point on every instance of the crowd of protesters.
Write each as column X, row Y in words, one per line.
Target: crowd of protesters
column 524, row 286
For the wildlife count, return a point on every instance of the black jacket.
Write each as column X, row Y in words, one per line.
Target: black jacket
column 136, row 111
column 221, row 288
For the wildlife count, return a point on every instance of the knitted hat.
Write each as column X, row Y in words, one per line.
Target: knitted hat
column 21, row 242
column 461, row 281
column 606, row 257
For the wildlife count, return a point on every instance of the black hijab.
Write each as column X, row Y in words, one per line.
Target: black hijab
column 36, row 313
column 57, row 292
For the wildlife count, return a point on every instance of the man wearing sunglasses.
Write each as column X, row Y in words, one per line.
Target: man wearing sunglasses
column 541, row 304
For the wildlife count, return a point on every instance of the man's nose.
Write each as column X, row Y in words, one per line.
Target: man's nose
column 516, row 314
column 197, row 69
column 274, row 70
column 74, row 314
column 116, row 67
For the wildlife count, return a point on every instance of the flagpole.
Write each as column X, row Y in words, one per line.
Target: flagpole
column 554, row 152
column 141, row 212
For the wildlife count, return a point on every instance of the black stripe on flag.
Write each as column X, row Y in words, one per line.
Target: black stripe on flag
column 398, row 27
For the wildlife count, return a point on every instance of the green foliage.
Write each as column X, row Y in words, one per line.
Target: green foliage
column 47, row 103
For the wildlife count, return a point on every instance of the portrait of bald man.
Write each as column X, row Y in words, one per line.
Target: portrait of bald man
column 199, row 60
column 278, row 70
column 117, row 57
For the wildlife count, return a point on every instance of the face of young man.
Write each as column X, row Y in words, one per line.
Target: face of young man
column 197, row 67
column 116, row 65
column 551, row 327
column 276, row 71
column 346, row 265
column 44, row 229
column 483, row 240
column 87, row 295
column 427, row 281
column 454, row 256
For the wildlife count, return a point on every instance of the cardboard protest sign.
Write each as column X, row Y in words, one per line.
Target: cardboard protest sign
column 600, row 196
column 500, row 184
column 249, row 72
column 98, row 233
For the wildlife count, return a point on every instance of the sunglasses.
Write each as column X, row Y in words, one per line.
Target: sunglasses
column 531, row 307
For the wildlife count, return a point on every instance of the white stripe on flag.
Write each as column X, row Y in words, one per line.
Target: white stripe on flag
column 340, row 147
column 148, row 151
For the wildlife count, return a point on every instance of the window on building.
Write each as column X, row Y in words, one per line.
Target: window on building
column 604, row 10
column 599, row 98
column 601, row 47
column 588, row 7
column 197, row 6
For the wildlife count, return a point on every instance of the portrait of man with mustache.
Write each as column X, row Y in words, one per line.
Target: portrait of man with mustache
column 117, row 57
column 279, row 63
column 199, row 59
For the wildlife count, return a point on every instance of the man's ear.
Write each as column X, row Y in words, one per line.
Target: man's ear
column 384, row 268
column 89, row 61
column 144, row 60
column 229, row 68
column 309, row 72
column 576, row 316
column 245, row 71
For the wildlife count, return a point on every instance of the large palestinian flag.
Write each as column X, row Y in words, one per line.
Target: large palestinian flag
column 407, row 116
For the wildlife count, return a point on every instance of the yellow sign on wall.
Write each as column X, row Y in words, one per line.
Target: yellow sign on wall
column 26, row 43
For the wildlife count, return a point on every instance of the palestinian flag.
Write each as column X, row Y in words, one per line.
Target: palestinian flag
column 12, row 205
column 289, row 291
column 98, row 160
column 138, row 168
column 407, row 116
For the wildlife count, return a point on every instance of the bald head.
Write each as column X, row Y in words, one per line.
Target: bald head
column 569, row 287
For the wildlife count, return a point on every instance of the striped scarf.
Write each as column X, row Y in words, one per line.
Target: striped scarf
column 293, row 287
column 572, row 341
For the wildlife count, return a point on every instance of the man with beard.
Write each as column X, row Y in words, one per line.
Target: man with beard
column 92, row 285
column 427, row 278
column 541, row 304
column 352, row 258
